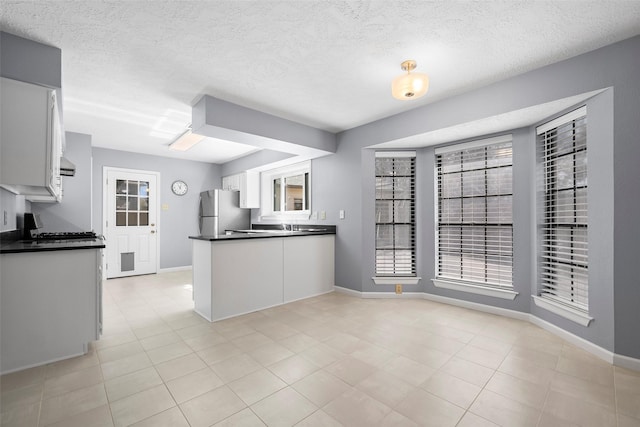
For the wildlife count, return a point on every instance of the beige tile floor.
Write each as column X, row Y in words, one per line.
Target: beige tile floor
column 326, row 361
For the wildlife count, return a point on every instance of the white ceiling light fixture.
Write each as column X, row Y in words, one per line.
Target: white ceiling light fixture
column 409, row 86
column 185, row 141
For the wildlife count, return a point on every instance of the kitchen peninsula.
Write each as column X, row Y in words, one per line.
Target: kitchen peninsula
column 246, row 271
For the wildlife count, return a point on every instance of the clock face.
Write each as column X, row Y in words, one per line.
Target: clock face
column 179, row 188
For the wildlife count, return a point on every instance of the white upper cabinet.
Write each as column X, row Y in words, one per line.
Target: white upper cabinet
column 248, row 184
column 31, row 141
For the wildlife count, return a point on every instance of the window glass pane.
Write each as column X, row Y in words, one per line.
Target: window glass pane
column 451, row 185
column 499, row 181
column 132, row 203
column 451, row 210
column 473, row 183
column 133, row 187
column 121, row 203
column 384, row 236
column 402, row 236
column 277, row 194
column 384, row 166
column 143, row 189
column 384, row 188
column 402, row 188
column 132, row 219
column 144, row 203
column 564, row 172
column 384, row 211
column 144, row 218
column 294, row 186
column 121, row 219
column 402, row 211
column 403, row 166
column 307, row 192
column 121, row 186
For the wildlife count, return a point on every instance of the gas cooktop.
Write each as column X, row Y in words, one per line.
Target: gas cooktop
column 65, row 235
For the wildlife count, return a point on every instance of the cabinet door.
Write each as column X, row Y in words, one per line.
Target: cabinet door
column 31, row 141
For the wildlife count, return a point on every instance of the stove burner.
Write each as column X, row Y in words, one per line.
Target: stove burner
column 66, row 235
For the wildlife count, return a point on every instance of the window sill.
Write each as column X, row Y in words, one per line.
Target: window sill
column 398, row 280
column 575, row 315
column 475, row 289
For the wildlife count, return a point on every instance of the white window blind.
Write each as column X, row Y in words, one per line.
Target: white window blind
column 395, row 214
column 564, row 252
column 474, row 212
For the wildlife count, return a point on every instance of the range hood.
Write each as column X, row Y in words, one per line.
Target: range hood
column 66, row 167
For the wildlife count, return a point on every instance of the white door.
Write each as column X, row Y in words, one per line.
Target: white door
column 130, row 222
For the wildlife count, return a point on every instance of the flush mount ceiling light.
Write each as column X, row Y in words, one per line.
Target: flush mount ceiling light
column 409, row 86
column 185, row 141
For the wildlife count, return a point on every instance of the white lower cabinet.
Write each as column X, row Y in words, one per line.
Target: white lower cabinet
column 50, row 305
column 234, row 277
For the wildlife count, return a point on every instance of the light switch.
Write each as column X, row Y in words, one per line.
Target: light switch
column 165, row 207
column 323, row 215
column 341, row 213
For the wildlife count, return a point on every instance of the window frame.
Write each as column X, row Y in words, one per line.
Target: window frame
column 498, row 290
column 380, row 277
column 550, row 294
column 267, row 179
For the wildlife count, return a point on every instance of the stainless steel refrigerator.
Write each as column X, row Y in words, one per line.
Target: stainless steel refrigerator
column 220, row 211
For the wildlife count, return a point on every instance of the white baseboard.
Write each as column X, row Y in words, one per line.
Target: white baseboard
column 588, row 346
column 389, row 295
column 172, row 269
column 626, row 362
column 596, row 350
column 479, row 307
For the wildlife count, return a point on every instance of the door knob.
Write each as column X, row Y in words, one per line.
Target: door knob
column 153, row 225
column 153, row 231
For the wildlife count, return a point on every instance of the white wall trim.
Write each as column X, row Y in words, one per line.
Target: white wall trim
column 479, row 307
column 475, row 289
column 562, row 310
column 171, row 269
column 588, row 346
column 596, row 350
column 379, row 295
column 626, row 362
column 399, row 280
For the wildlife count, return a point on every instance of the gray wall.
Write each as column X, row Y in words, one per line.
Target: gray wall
column 613, row 178
column 74, row 212
column 181, row 219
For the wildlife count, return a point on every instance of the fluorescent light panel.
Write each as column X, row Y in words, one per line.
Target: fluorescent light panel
column 186, row 141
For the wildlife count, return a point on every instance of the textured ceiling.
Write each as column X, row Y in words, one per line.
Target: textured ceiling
column 132, row 70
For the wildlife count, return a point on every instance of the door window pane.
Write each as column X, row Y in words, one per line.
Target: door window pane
column 132, row 198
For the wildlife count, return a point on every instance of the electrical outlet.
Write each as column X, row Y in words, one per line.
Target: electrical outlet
column 398, row 289
column 323, row 215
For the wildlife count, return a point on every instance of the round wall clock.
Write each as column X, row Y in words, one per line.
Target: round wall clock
column 179, row 188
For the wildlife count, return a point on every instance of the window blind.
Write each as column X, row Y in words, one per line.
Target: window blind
column 564, row 251
column 474, row 212
column 395, row 214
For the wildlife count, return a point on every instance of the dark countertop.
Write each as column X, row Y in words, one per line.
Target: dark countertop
column 270, row 233
column 19, row 246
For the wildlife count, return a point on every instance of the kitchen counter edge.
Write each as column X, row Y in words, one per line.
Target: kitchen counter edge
column 19, row 246
column 262, row 235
